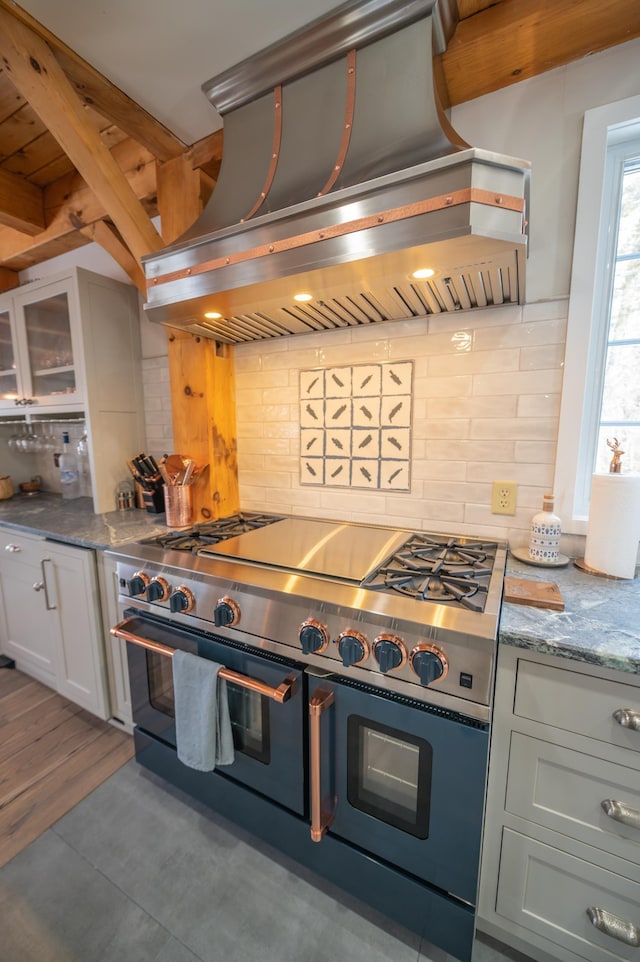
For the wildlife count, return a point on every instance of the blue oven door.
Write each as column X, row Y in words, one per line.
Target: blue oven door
column 402, row 780
column 269, row 736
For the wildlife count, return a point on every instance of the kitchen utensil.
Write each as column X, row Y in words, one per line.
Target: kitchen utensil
column 188, row 470
column 174, row 464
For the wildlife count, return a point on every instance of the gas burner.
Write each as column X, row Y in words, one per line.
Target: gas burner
column 446, row 571
column 212, row 532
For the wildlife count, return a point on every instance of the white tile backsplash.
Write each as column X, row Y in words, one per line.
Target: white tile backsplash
column 485, row 403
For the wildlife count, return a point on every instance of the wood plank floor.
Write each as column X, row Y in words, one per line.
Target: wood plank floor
column 52, row 754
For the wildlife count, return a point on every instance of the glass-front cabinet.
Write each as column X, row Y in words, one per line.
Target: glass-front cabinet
column 40, row 343
column 70, row 345
column 9, row 388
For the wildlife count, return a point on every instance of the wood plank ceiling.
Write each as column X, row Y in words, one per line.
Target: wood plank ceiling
column 80, row 161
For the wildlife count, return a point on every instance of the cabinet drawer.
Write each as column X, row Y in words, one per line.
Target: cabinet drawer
column 548, row 892
column 563, row 790
column 576, row 703
column 17, row 547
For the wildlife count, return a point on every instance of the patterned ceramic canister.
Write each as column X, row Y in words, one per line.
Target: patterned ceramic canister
column 544, row 538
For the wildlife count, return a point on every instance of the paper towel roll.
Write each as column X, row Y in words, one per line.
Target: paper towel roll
column 613, row 530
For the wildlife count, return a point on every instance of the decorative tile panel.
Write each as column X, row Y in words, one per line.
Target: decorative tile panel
column 355, row 426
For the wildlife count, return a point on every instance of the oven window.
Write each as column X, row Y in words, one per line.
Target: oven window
column 389, row 775
column 160, row 683
column 249, row 714
column 248, row 711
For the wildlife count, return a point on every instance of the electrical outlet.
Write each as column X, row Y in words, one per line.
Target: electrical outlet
column 503, row 497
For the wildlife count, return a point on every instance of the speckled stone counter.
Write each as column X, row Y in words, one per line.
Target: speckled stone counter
column 75, row 523
column 600, row 624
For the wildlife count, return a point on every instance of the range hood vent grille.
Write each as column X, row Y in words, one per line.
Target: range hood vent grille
column 340, row 177
column 462, row 291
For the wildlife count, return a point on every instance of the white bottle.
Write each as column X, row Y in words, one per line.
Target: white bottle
column 544, row 538
column 69, row 478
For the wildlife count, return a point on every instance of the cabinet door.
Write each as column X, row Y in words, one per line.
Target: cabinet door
column 48, row 332
column 79, row 655
column 28, row 623
column 10, row 384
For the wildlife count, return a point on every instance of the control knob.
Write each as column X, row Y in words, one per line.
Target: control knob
column 138, row 584
column 429, row 663
column 182, row 599
column 158, row 589
column 390, row 652
column 226, row 613
column 353, row 647
column 313, row 636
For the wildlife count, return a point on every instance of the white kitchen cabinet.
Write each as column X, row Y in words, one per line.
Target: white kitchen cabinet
column 552, row 851
column 50, row 616
column 70, row 345
column 115, row 648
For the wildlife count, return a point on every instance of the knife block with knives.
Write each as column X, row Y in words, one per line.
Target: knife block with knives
column 147, row 474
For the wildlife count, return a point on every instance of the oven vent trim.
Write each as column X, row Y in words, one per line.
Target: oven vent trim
column 427, row 707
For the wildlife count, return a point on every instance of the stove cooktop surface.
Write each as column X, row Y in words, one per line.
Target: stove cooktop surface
column 445, row 570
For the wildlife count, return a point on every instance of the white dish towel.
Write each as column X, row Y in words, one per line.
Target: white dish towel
column 203, row 725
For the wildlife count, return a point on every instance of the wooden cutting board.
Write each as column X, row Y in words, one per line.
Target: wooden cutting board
column 539, row 594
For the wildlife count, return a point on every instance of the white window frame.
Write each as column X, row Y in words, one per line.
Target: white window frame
column 587, row 323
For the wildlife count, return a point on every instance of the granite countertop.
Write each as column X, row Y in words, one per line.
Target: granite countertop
column 600, row 624
column 74, row 522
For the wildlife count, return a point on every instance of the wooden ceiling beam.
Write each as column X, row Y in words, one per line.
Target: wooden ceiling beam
column 21, row 204
column 71, row 205
column 104, row 234
column 96, row 91
column 8, row 279
column 506, row 42
column 38, row 76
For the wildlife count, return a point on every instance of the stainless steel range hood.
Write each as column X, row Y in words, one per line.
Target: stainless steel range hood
column 340, row 178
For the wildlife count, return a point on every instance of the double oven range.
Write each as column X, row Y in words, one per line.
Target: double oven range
column 359, row 663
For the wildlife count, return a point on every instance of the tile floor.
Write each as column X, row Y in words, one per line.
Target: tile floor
column 138, row 873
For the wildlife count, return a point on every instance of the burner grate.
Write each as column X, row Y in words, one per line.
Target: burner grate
column 446, row 571
column 212, row 532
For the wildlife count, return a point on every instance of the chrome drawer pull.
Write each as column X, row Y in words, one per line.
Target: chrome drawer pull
column 611, row 925
column 628, row 718
column 621, row 812
column 12, row 547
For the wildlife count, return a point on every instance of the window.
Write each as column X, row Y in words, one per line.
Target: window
column 601, row 389
column 620, row 393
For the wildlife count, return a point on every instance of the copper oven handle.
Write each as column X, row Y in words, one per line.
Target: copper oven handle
column 280, row 694
column 320, row 821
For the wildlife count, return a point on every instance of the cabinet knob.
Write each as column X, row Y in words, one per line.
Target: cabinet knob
column 611, row 925
column 628, row 718
column 12, row 547
column 38, row 586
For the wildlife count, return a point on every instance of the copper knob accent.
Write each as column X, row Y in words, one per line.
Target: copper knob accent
column 226, row 613
column 350, row 644
column 313, row 636
column 182, row 599
column 432, row 650
column 158, row 589
column 385, row 641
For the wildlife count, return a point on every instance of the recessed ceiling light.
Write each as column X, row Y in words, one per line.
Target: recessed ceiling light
column 303, row 297
column 213, row 315
column 423, row 272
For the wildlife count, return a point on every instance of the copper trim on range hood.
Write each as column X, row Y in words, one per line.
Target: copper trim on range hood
column 346, row 105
